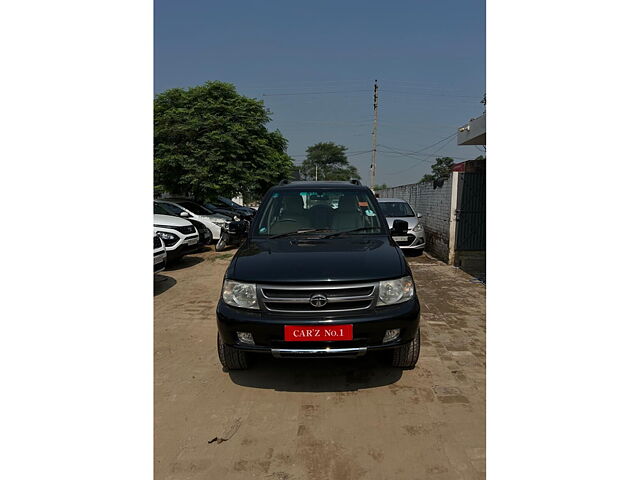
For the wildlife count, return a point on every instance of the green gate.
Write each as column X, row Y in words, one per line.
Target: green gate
column 471, row 212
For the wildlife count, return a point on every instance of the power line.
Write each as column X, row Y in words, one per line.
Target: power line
column 311, row 93
column 352, row 154
column 422, row 149
column 430, row 94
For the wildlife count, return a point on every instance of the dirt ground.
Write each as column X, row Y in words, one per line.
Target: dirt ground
column 288, row 419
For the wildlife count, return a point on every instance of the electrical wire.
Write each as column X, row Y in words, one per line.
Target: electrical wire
column 428, row 94
column 422, row 149
column 312, row 93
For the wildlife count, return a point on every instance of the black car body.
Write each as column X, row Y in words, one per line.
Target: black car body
column 223, row 203
column 204, row 235
column 310, row 278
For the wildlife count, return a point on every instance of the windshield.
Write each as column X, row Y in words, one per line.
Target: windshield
column 326, row 210
column 396, row 209
column 157, row 208
column 167, row 209
column 195, row 208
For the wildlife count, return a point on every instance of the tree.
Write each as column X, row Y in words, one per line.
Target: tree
column 380, row 187
column 331, row 161
column 209, row 140
column 440, row 169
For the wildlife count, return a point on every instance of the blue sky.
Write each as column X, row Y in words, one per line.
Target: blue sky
column 314, row 65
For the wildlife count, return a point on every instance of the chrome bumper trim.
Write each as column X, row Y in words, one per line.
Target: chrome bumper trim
column 332, row 352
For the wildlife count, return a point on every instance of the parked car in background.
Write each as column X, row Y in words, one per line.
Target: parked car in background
column 397, row 209
column 191, row 210
column 314, row 281
column 233, row 236
column 223, row 211
column 203, row 232
column 225, row 203
column 180, row 237
column 159, row 254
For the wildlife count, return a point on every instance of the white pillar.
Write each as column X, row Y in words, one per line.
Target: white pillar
column 453, row 221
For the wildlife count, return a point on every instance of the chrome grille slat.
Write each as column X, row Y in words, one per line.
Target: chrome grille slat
column 295, row 298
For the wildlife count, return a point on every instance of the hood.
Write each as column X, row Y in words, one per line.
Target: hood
column 217, row 217
column 412, row 221
column 170, row 220
column 285, row 260
column 223, row 211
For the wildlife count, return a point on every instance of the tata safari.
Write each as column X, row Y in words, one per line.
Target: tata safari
column 319, row 275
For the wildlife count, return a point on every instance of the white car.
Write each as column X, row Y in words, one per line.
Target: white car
column 179, row 235
column 190, row 209
column 159, row 254
column 398, row 209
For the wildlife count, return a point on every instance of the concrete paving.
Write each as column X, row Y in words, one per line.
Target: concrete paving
column 288, row 419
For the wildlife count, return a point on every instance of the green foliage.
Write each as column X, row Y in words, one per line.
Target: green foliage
column 380, row 187
column 209, row 140
column 440, row 169
column 331, row 160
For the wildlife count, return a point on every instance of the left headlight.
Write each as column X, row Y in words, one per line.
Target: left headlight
column 395, row 291
column 418, row 228
column 239, row 294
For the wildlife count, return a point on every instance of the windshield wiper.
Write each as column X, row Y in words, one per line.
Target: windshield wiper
column 300, row 232
column 344, row 232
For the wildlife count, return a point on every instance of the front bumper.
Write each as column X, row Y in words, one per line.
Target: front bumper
column 369, row 328
column 416, row 241
column 181, row 250
column 159, row 262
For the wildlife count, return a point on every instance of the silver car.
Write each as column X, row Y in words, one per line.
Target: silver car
column 398, row 209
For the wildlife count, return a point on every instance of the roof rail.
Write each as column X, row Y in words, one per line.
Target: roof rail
column 284, row 182
column 355, row 181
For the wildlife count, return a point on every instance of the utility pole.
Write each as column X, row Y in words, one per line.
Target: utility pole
column 316, row 171
column 374, row 134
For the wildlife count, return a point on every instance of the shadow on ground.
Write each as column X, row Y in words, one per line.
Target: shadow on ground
column 318, row 374
column 162, row 283
column 184, row 262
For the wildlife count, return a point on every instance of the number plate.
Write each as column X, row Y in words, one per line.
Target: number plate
column 401, row 239
column 306, row 333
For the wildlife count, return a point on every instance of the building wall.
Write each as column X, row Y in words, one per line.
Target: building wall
column 435, row 206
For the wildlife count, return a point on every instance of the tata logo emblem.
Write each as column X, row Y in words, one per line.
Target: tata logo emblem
column 318, row 300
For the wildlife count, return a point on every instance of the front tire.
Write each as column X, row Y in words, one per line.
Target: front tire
column 231, row 358
column 406, row 356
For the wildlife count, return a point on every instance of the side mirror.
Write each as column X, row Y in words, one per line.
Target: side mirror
column 419, row 215
column 184, row 215
column 400, row 227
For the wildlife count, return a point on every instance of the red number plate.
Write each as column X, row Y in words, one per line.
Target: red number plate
column 306, row 333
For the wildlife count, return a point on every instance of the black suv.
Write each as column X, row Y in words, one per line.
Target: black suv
column 319, row 276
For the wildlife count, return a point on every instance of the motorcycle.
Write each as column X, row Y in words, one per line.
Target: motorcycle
column 232, row 236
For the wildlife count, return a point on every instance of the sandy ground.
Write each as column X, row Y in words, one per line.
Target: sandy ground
column 317, row 419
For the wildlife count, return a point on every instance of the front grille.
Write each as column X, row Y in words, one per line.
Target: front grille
column 186, row 230
column 297, row 299
column 156, row 242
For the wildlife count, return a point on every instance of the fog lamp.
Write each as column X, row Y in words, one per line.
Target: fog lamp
column 391, row 335
column 246, row 337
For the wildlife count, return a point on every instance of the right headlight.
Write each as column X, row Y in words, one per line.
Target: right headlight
column 395, row 291
column 169, row 238
column 239, row 294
